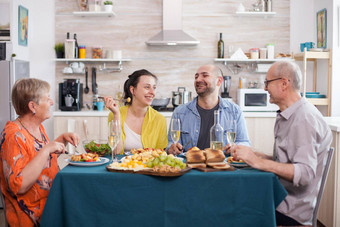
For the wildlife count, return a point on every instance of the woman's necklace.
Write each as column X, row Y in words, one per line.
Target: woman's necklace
column 35, row 138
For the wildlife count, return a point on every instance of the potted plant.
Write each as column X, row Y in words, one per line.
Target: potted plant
column 59, row 50
column 108, row 6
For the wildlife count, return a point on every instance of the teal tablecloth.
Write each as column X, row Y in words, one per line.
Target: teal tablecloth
column 92, row 196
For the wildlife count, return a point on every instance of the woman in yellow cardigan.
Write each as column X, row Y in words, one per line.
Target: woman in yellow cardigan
column 142, row 126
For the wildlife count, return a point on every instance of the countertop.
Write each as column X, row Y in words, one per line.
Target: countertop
column 104, row 113
column 334, row 123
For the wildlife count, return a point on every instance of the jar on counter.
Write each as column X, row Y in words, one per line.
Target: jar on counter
column 82, row 51
column 263, row 53
column 270, row 48
column 97, row 52
column 254, row 53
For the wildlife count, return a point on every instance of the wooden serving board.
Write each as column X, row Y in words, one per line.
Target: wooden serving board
column 151, row 172
column 209, row 169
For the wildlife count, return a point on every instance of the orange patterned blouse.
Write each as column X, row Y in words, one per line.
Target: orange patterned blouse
column 17, row 149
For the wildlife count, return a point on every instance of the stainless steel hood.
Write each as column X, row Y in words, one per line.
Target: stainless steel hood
column 172, row 33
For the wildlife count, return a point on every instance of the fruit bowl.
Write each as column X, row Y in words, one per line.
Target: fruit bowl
column 97, row 146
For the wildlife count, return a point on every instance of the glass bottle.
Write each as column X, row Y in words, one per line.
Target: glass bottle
column 76, row 47
column 220, row 47
column 216, row 133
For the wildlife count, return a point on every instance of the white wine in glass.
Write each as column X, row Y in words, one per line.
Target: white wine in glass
column 175, row 129
column 231, row 132
column 113, row 137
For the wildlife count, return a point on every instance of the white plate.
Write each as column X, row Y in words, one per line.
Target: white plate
column 101, row 162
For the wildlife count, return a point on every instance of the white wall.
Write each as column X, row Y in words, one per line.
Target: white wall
column 303, row 29
column 336, row 58
column 39, row 50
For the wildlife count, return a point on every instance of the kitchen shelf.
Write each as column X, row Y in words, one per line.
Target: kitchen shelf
column 314, row 56
column 98, row 60
column 91, row 60
column 93, row 14
column 226, row 60
column 255, row 14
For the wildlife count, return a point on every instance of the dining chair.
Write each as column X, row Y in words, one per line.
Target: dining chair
column 4, row 207
column 322, row 186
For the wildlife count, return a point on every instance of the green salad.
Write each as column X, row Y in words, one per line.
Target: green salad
column 100, row 149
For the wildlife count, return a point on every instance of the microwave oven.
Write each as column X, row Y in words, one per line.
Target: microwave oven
column 253, row 100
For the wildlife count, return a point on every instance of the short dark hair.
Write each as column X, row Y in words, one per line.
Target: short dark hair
column 133, row 80
column 26, row 90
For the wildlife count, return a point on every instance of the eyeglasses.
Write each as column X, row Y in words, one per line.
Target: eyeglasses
column 266, row 82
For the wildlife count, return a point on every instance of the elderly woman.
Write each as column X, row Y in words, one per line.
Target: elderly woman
column 142, row 126
column 28, row 160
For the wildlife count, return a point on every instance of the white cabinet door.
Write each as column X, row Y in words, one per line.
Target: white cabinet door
column 97, row 126
column 261, row 133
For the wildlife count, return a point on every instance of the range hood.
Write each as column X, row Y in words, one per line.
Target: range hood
column 172, row 33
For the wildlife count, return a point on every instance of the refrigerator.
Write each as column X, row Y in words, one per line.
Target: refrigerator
column 10, row 71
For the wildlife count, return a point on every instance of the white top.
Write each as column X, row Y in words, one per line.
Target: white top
column 132, row 139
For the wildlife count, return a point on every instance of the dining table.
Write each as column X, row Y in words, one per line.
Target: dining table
column 94, row 196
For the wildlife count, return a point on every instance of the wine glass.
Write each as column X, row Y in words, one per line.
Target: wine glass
column 231, row 131
column 175, row 129
column 114, row 137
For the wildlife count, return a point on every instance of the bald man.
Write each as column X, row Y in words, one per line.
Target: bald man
column 197, row 116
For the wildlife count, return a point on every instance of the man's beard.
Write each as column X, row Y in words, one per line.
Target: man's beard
column 207, row 91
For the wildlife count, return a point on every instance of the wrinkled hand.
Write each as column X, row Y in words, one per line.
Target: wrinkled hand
column 71, row 138
column 175, row 149
column 111, row 104
column 244, row 153
column 55, row 147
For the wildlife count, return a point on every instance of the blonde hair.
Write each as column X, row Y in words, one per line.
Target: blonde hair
column 26, row 90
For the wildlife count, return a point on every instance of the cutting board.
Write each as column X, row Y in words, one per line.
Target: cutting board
column 209, row 169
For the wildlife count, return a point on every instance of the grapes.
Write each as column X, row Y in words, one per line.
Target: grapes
column 169, row 160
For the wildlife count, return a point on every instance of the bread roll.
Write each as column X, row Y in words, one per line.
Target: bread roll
column 214, row 155
column 195, row 156
column 197, row 165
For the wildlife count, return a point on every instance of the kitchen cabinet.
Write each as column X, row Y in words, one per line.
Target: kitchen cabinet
column 96, row 125
column 93, row 14
column 314, row 57
column 329, row 211
column 261, row 133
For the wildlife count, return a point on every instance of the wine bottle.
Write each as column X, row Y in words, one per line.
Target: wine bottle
column 216, row 133
column 220, row 47
column 76, row 47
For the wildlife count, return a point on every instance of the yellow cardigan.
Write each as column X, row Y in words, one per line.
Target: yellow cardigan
column 154, row 132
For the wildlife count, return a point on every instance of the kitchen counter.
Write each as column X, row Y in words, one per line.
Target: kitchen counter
column 94, row 113
column 87, row 113
column 334, row 123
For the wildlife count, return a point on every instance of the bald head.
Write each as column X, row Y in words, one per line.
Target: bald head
column 215, row 70
column 289, row 70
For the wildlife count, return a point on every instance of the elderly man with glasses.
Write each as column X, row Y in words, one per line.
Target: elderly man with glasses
column 302, row 139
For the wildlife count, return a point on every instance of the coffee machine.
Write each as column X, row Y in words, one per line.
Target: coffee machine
column 225, row 88
column 70, row 95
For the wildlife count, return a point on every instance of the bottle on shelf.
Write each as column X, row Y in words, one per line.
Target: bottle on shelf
column 76, row 47
column 269, row 6
column 69, row 47
column 216, row 133
column 220, row 47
